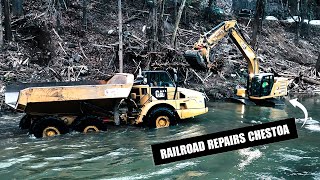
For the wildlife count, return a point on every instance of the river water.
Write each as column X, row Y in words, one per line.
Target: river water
column 125, row 153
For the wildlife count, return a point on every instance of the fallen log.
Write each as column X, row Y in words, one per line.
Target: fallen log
column 309, row 80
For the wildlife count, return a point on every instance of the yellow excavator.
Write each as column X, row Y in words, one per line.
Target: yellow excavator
column 261, row 87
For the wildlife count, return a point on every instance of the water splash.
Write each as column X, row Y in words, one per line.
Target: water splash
column 249, row 156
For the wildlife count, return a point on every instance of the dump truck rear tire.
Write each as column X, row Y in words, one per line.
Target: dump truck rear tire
column 49, row 127
column 161, row 117
column 25, row 122
column 88, row 124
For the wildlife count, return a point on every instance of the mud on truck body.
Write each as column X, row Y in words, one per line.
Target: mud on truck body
column 153, row 99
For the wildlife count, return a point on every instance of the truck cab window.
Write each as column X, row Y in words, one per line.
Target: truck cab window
column 160, row 79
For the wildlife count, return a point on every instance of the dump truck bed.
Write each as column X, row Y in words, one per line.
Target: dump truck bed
column 69, row 97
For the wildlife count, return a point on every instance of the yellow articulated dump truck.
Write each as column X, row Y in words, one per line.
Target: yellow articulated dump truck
column 152, row 99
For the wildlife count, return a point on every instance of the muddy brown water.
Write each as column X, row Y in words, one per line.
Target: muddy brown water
column 125, row 153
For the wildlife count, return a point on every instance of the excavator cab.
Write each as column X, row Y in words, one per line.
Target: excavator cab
column 261, row 85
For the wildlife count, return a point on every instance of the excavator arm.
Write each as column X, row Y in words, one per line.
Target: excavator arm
column 199, row 56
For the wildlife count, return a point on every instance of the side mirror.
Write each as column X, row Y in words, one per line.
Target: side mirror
column 145, row 80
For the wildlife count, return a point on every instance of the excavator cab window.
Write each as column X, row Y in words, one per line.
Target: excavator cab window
column 266, row 85
column 261, row 85
column 254, row 87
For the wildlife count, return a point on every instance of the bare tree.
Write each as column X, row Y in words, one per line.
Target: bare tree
column 175, row 9
column 7, row 21
column 84, row 13
column 299, row 21
column 120, row 53
column 161, row 32
column 258, row 17
column 17, row 9
column 1, row 28
column 209, row 7
column 154, row 24
column 318, row 65
column 58, row 17
column 176, row 26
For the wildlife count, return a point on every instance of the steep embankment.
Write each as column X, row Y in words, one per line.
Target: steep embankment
column 53, row 43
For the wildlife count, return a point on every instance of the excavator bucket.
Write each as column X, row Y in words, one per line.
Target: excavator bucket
column 195, row 59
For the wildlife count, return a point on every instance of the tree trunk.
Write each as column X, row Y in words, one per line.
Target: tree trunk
column 7, row 21
column 175, row 9
column 1, row 28
column 17, row 9
column 309, row 80
column 298, row 27
column 318, row 66
column 67, row 2
column 120, row 38
column 58, row 18
column 209, row 9
column 282, row 9
column 64, row 4
column 161, row 33
column 305, row 12
column 84, row 13
column 176, row 26
column 298, row 22
column 154, row 24
column 257, row 21
column 211, row 2
column 308, row 10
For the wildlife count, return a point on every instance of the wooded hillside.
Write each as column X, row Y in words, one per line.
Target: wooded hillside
column 64, row 40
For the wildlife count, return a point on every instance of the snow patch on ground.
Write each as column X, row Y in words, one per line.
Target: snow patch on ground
column 315, row 22
column 271, row 18
column 297, row 18
column 313, row 127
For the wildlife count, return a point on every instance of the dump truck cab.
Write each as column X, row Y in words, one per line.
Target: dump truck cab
column 162, row 102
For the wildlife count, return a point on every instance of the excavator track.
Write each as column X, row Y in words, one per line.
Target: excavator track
column 195, row 59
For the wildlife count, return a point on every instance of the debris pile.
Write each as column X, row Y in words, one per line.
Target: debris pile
column 54, row 43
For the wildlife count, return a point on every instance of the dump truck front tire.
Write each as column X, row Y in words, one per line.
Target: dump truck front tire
column 161, row 117
column 50, row 126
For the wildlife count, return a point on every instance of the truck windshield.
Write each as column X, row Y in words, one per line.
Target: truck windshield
column 160, row 79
